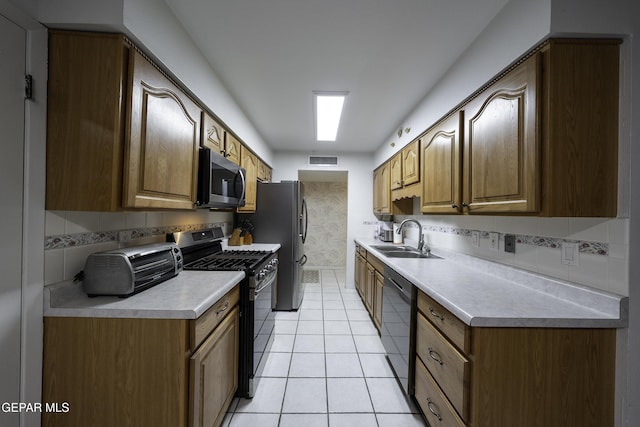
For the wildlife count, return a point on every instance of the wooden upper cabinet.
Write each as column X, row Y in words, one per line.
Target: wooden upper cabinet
column 441, row 167
column 382, row 190
column 119, row 133
column 411, row 163
column 501, row 147
column 543, row 139
column 213, row 133
column 580, row 127
column 232, row 150
column 395, row 171
column 264, row 172
column 161, row 163
column 249, row 162
column 86, row 117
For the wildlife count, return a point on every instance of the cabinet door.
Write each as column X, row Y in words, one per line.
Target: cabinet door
column 369, row 287
column 377, row 300
column 212, row 134
column 214, row 373
column 411, row 163
column 163, row 138
column 85, row 120
column 501, row 152
column 396, row 171
column 360, row 274
column 441, row 160
column 232, row 149
column 382, row 190
column 250, row 164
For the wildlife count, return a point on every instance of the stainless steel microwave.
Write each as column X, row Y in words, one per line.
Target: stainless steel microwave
column 221, row 183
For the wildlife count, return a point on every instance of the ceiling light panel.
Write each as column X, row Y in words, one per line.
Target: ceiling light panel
column 328, row 108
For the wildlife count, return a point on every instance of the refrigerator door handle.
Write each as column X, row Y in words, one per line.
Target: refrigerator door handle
column 304, row 215
column 302, row 261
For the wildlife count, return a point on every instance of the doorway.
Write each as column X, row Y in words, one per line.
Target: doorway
column 326, row 244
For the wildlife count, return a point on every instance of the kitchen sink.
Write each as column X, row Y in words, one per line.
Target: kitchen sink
column 403, row 252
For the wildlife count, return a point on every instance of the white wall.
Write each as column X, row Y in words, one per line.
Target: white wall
column 360, row 221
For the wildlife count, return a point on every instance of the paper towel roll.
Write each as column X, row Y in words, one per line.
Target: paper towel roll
column 397, row 237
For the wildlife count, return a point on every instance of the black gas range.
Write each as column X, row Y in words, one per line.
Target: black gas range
column 202, row 250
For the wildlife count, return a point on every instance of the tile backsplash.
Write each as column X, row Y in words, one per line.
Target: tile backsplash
column 71, row 236
column 603, row 244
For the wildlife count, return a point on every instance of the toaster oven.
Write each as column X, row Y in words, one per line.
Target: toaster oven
column 127, row 271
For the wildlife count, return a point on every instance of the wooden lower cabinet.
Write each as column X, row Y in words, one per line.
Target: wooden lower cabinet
column 368, row 289
column 369, row 281
column 142, row 372
column 377, row 299
column 505, row 377
column 213, row 383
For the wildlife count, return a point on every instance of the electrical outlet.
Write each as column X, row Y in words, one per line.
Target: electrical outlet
column 510, row 243
column 475, row 238
column 570, row 253
column 494, row 239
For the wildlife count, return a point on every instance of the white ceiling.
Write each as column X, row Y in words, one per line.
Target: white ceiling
column 272, row 54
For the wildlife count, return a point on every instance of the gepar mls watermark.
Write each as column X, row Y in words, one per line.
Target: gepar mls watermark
column 11, row 407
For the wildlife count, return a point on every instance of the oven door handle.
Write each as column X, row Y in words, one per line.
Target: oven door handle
column 268, row 283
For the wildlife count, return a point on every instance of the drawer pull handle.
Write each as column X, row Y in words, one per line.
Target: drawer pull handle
column 435, row 314
column 435, row 356
column 436, row 411
column 224, row 308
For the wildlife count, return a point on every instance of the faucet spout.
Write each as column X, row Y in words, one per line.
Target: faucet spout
column 421, row 238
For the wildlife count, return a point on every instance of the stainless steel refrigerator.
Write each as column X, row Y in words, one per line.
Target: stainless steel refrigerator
column 281, row 217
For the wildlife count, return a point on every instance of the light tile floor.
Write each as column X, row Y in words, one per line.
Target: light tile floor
column 326, row 368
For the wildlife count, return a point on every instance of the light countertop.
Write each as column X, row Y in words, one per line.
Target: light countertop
column 487, row 294
column 186, row 296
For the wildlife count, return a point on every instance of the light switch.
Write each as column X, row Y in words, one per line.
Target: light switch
column 475, row 238
column 570, row 253
column 494, row 239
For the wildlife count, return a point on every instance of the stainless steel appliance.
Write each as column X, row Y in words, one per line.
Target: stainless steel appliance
column 127, row 271
column 202, row 250
column 398, row 302
column 221, row 183
column 281, row 217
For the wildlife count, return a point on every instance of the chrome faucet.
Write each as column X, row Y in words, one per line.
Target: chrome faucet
column 421, row 238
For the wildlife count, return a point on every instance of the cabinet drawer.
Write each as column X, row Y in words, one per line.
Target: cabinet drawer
column 206, row 323
column 450, row 326
column 448, row 367
column 434, row 404
column 375, row 262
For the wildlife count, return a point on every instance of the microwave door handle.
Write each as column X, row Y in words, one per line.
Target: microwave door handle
column 244, row 185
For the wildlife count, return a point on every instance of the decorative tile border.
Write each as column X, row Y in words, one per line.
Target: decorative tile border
column 595, row 248
column 91, row 238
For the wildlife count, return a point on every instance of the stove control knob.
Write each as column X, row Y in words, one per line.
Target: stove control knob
column 261, row 275
column 269, row 267
column 274, row 261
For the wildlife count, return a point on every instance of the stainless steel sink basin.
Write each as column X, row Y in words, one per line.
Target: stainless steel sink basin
column 388, row 248
column 403, row 252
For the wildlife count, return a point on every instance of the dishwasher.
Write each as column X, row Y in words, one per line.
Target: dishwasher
column 398, row 304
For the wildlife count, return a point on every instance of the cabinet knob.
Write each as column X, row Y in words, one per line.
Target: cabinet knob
column 464, row 205
column 435, row 356
column 454, row 206
column 433, row 409
column 436, row 314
